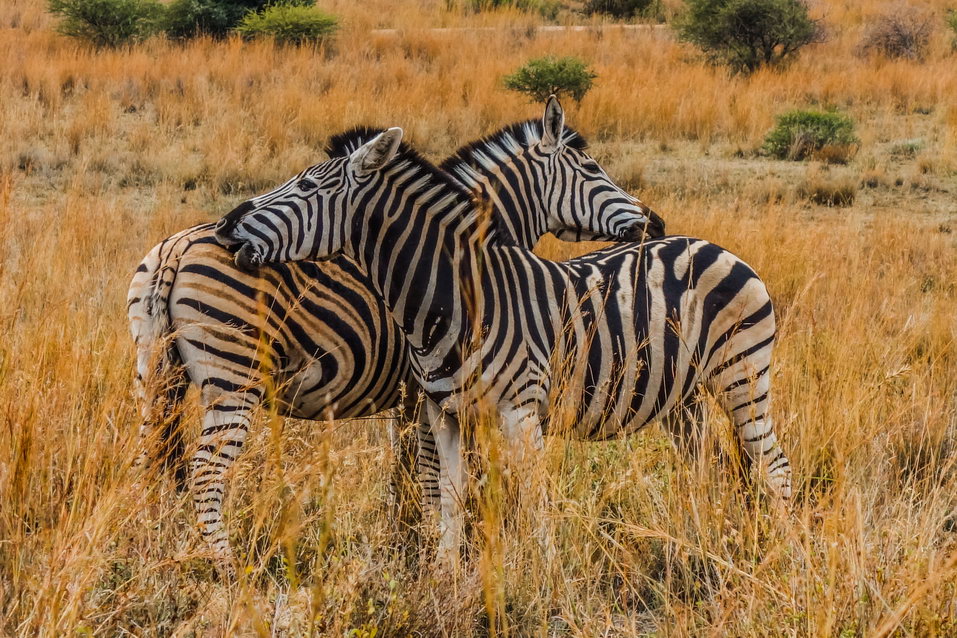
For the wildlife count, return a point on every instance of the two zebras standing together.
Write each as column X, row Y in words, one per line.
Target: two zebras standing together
column 433, row 283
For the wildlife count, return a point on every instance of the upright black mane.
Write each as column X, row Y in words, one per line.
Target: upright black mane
column 345, row 143
column 523, row 133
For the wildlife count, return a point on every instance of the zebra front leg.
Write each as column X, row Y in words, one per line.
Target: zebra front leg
column 744, row 391
column 448, row 443
column 405, row 486
column 225, row 427
column 522, row 430
column 428, row 466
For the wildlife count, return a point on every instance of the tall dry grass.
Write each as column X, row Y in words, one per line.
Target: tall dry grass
column 104, row 153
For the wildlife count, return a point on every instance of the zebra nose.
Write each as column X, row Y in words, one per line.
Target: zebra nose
column 656, row 225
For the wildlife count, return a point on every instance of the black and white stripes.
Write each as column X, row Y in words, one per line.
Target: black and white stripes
column 333, row 350
column 625, row 334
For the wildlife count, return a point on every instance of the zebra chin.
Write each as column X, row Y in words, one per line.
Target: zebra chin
column 248, row 258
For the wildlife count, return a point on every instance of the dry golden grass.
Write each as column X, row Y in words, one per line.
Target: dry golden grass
column 104, row 153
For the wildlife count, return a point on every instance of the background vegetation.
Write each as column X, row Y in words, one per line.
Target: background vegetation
column 105, row 152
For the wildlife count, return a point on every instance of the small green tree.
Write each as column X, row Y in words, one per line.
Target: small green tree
column 747, row 34
column 107, row 23
column 802, row 134
column 546, row 76
column 289, row 24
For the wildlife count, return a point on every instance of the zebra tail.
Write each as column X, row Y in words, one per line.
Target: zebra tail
column 161, row 378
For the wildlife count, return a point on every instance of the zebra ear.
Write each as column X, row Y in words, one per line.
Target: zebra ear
column 377, row 152
column 553, row 125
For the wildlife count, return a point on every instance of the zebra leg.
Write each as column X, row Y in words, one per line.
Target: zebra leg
column 448, row 443
column 428, row 465
column 743, row 389
column 686, row 425
column 523, row 433
column 160, row 390
column 405, row 506
column 225, row 426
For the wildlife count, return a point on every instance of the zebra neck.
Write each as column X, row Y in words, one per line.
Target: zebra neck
column 420, row 251
column 515, row 199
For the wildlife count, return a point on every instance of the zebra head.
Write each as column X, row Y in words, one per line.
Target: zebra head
column 309, row 216
column 581, row 200
column 541, row 179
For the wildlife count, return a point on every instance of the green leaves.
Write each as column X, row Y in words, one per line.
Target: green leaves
column 107, row 23
column 546, row 76
column 747, row 34
column 802, row 134
column 289, row 24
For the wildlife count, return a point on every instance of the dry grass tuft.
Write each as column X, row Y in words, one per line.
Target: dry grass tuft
column 103, row 154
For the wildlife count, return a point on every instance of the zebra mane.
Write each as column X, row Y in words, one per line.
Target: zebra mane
column 347, row 142
column 507, row 139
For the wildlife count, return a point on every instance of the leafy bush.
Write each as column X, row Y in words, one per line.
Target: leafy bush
column 905, row 33
column 189, row 18
column 546, row 76
column 107, row 23
column 289, row 24
column 828, row 136
column 747, row 34
column 622, row 9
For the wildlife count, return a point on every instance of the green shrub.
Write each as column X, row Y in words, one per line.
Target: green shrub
column 621, row 9
column 747, row 34
column 799, row 135
column 107, row 23
column 190, row 18
column 546, row 76
column 289, row 24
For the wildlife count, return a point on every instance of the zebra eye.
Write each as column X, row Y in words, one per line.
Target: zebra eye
column 592, row 167
column 306, row 184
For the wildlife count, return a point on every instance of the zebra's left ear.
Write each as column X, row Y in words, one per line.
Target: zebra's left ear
column 553, row 125
column 377, row 152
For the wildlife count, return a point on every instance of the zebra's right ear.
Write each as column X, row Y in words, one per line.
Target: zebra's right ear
column 553, row 125
column 377, row 152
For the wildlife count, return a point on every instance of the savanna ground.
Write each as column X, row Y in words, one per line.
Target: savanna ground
column 102, row 154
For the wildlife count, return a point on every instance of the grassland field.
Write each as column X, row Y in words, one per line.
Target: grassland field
column 104, row 153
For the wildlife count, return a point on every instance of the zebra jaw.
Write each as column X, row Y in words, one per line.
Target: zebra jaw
column 248, row 258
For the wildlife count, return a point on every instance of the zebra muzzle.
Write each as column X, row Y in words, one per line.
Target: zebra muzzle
column 248, row 258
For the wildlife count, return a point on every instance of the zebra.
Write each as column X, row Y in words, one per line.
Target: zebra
column 333, row 350
column 641, row 326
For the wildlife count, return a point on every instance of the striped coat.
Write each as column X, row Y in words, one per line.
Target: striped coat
column 315, row 336
column 622, row 336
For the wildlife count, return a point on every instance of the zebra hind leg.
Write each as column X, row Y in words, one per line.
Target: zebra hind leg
column 225, row 427
column 161, row 437
column 744, row 391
